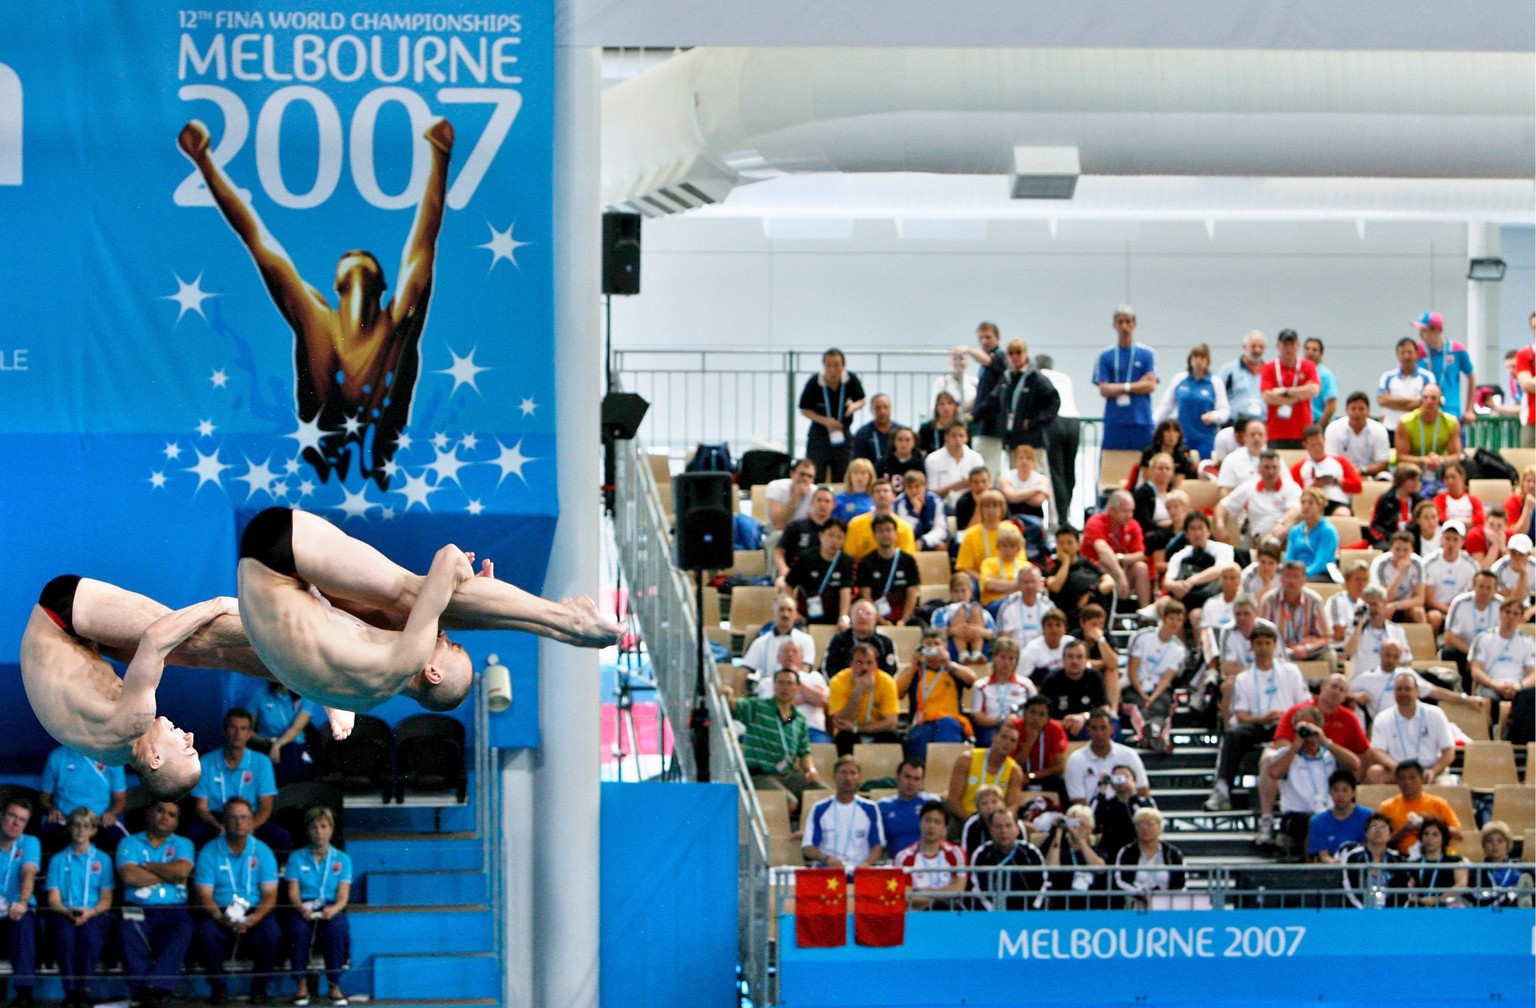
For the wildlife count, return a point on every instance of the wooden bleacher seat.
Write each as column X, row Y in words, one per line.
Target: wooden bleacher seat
column 821, row 635
column 711, row 606
column 751, row 607
column 1421, row 640
column 1203, row 494
column 1529, row 848
column 718, row 635
column 1491, row 492
column 750, row 563
column 784, row 851
column 775, row 812
column 877, row 759
column 1313, row 671
column 1517, row 457
column 1529, row 629
column 1515, row 804
column 1115, row 465
column 1488, row 765
column 1349, row 556
column 875, row 794
column 1459, row 798
column 1348, row 527
column 808, row 798
column 1469, row 719
column 1364, row 502
column 940, row 763
column 933, row 568
column 760, row 503
column 1290, row 456
column 1372, row 795
column 906, row 639
column 1530, row 764
column 1325, row 591
column 824, row 754
column 932, row 593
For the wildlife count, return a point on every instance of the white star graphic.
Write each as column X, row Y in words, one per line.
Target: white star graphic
column 306, row 487
column 390, row 467
column 511, row 461
column 416, row 491
column 172, row 450
column 447, row 466
column 475, row 507
column 388, row 514
column 469, row 442
column 528, row 406
column 157, row 480
column 219, row 378
column 355, row 505
column 205, row 428
column 502, row 245
column 208, row 468
column 308, row 434
column 291, row 467
column 440, row 440
column 190, row 296
column 404, row 441
column 463, row 370
column 351, row 425
column 258, row 477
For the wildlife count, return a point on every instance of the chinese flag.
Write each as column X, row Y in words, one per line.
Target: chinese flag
column 879, row 906
column 821, row 907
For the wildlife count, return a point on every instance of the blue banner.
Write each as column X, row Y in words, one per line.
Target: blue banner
column 276, row 253
column 1215, row 957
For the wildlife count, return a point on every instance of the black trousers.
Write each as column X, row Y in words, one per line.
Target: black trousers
column 1061, row 437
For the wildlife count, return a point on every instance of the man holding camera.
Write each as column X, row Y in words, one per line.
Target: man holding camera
column 1306, row 765
column 1338, row 723
column 236, row 885
column 1091, row 769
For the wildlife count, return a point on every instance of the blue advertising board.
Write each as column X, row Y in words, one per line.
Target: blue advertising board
column 266, row 254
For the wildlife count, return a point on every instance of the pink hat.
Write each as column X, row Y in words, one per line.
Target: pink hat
column 1430, row 320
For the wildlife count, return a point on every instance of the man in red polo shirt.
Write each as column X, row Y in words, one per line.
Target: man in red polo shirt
column 1340, row 723
column 1289, row 383
column 1525, row 378
column 1112, row 541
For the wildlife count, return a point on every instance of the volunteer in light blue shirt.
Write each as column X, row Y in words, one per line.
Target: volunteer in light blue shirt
column 1312, row 348
column 20, row 857
column 73, row 780
column 79, row 890
column 1126, row 376
column 235, row 771
column 282, row 718
column 1448, row 361
column 1313, row 540
column 155, row 867
column 319, row 880
column 236, row 886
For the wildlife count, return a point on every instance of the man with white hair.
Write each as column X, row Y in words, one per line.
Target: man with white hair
column 1409, row 730
column 1241, row 377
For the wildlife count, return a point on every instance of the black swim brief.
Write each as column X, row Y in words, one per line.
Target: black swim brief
column 57, row 599
column 269, row 539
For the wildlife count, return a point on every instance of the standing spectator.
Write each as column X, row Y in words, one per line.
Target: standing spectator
column 946, row 412
column 901, row 813
column 73, row 780
column 957, row 382
column 1061, row 438
column 18, row 922
column 829, row 402
column 1126, row 375
column 844, row 829
column 155, row 867
column 1313, row 541
column 283, row 719
column 1340, row 824
column 1288, row 383
column 1240, row 378
column 1261, row 694
column 803, row 535
column 1027, row 401
column 949, row 470
column 79, row 892
column 319, row 881
column 1335, row 475
column 1428, row 437
column 1398, row 390
column 904, row 456
column 1525, row 381
column 823, row 580
column 789, row 498
column 1113, row 542
column 1450, row 364
column 995, row 699
column 872, row 442
column 1326, row 403
column 986, row 423
column 1197, row 400
column 863, row 702
column 1355, row 436
column 237, row 771
column 236, row 885
column 932, row 861
column 924, row 509
column 1448, row 572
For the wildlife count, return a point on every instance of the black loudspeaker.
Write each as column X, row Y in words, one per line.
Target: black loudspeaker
column 621, row 253
column 702, row 503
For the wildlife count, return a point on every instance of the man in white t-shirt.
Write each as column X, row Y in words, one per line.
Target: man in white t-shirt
column 1503, row 660
column 1261, row 695
column 790, row 498
column 1155, row 657
column 1267, row 504
column 1409, row 730
column 1447, row 573
column 1470, row 614
column 1516, row 571
column 762, row 657
column 1242, row 463
column 949, row 470
column 1371, row 689
column 1357, row 437
column 1362, row 644
column 1088, row 769
column 811, row 695
column 1194, row 572
column 1022, row 614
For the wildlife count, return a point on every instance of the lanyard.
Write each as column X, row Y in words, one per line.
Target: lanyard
column 1295, row 618
column 869, row 703
column 1402, row 743
column 997, row 778
column 1270, row 690
column 891, row 574
column 1280, row 375
column 10, row 867
column 1130, row 362
column 325, row 870
column 986, row 544
column 1315, row 771
column 240, row 888
column 70, row 862
column 1434, row 872
column 826, row 401
column 930, row 682
column 778, row 723
column 831, row 569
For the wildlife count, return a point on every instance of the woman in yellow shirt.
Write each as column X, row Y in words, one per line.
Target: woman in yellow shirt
column 980, row 540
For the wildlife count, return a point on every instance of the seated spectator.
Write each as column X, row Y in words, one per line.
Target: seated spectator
column 1303, row 767
column 993, row 765
column 932, row 863
column 949, row 469
column 822, row 581
column 1339, row 825
column 1090, row 770
column 1498, row 883
column 1425, row 529
column 1069, row 847
column 1334, row 474
column 1516, row 573
column 1021, row 613
column 1024, row 487
column 1156, row 656
column 73, row 780
column 1113, row 542
column 1489, row 544
column 1503, row 660
column 863, row 628
column 18, row 924
column 1454, row 503
column 1313, row 542
column 1262, row 576
column 1075, row 690
column 855, row 497
column 979, row 541
column 237, row 771
column 975, row 832
column 966, row 508
column 1042, row 750
column 1115, row 807
column 924, row 509
column 967, row 624
column 1520, row 505
column 810, row 696
column 844, row 830
column 933, row 683
column 283, row 719
column 79, row 893
column 1401, row 575
column 1043, row 655
column 1007, row 890
column 1358, row 438
column 1198, row 403
column 904, row 457
column 932, row 435
column 235, row 882
column 1261, row 695
column 1236, row 650
column 1448, row 572
column 1168, row 439
column 1369, row 629
column 762, row 655
column 1372, row 877
column 861, row 532
column 1412, row 805
column 872, row 442
column 1179, row 511
column 1436, row 869
column 997, row 698
column 1102, row 656
column 901, row 813
column 802, row 535
column 1215, row 618
column 776, row 744
column 319, row 881
column 1342, row 608
column 887, row 576
column 1242, row 463
column 1401, row 389
column 1393, row 511
column 863, row 702
column 1194, row 572
column 789, row 498
column 1228, row 440
column 1072, row 580
column 1428, row 437
column 1372, row 688
column 1151, row 502
column 1340, row 725
column 1001, row 573
column 1264, row 505
column 154, row 867
column 1151, row 864
column 1409, row 731
column 1470, row 613
column 1297, row 613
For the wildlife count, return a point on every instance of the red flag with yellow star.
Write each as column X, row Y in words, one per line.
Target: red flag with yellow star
column 879, row 906
column 821, row 907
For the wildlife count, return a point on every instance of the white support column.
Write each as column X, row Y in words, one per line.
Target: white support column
column 565, row 778
column 518, row 841
column 1483, row 309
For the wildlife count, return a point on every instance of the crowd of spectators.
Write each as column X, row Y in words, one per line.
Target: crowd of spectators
column 1216, row 574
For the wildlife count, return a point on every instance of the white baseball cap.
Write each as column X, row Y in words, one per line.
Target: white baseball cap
column 1520, row 543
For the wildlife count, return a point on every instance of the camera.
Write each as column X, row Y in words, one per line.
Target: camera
column 1361, row 611
column 1305, row 731
column 1073, row 823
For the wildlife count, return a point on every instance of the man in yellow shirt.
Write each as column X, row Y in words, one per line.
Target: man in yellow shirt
column 861, row 535
column 862, row 702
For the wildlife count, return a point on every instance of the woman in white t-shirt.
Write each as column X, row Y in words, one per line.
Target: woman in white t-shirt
column 1025, row 488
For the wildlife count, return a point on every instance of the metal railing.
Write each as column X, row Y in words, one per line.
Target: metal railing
column 664, row 602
